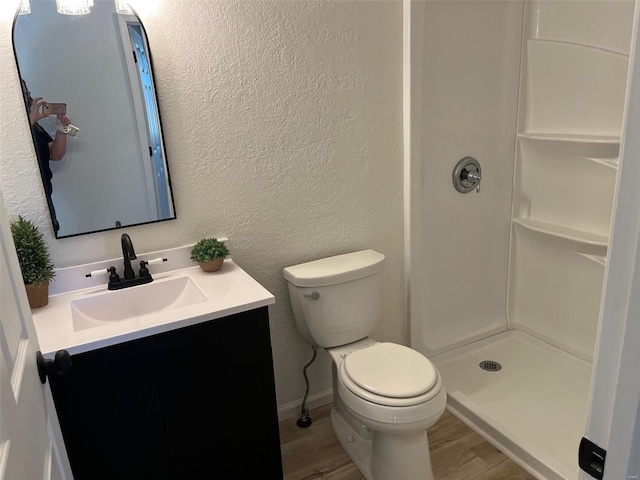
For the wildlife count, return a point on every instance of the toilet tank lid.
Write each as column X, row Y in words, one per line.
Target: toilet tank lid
column 336, row 269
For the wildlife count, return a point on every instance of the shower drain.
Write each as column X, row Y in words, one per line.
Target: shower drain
column 490, row 366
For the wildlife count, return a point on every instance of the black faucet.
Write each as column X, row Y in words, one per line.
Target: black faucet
column 128, row 254
column 130, row 279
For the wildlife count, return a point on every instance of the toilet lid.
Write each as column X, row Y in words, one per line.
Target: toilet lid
column 391, row 370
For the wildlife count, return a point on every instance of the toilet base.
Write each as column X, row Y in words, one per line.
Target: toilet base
column 384, row 456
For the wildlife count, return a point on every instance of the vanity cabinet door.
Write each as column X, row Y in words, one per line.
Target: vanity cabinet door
column 193, row 403
column 117, row 435
column 234, row 434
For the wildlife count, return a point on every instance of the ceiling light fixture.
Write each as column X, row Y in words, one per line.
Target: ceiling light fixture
column 73, row 7
column 122, row 7
column 25, row 7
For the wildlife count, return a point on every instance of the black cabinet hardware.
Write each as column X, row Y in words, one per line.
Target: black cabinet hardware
column 60, row 365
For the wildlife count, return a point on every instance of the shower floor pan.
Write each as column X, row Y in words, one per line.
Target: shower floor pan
column 534, row 408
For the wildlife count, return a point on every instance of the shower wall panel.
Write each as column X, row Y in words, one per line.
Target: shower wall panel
column 583, row 22
column 470, row 69
column 573, row 85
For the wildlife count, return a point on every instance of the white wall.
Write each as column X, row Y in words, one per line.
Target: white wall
column 283, row 127
column 106, row 157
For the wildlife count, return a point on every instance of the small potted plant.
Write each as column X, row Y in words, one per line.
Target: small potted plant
column 209, row 253
column 35, row 262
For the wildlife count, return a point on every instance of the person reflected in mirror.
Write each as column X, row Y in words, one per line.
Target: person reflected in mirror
column 47, row 148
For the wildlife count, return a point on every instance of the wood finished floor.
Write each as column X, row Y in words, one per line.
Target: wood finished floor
column 457, row 452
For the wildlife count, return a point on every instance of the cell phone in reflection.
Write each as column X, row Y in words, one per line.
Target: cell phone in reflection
column 54, row 109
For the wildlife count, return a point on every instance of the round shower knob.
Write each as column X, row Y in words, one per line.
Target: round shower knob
column 467, row 175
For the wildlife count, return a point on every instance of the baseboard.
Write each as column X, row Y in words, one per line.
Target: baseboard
column 292, row 409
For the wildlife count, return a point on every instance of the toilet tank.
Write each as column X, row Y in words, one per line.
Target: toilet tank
column 336, row 300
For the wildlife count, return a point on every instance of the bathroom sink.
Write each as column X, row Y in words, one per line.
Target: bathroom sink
column 133, row 302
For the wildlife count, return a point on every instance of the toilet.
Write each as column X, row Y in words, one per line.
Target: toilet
column 385, row 395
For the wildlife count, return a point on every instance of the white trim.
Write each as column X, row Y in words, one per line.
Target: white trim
column 18, row 367
column 413, row 13
column 4, row 456
column 292, row 409
column 615, row 392
column 48, row 455
column 625, row 421
column 138, row 108
column 59, row 449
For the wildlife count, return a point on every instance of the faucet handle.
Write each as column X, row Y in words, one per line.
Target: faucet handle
column 97, row 273
column 113, row 275
column 155, row 261
column 144, row 271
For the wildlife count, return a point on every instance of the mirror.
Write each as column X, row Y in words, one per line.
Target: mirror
column 114, row 172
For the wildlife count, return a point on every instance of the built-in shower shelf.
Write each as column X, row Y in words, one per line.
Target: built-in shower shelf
column 564, row 138
column 603, row 150
column 607, row 162
column 565, row 233
column 599, row 259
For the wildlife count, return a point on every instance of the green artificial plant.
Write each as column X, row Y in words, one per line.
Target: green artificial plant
column 33, row 253
column 208, row 249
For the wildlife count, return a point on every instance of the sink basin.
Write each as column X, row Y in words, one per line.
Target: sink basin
column 132, row 302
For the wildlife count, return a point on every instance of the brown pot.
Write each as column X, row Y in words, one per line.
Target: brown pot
column 38, row 295
column 212, row 265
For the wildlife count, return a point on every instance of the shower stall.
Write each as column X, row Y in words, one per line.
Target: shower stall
column 510, row 277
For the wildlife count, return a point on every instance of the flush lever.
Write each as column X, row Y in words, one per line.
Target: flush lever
column 467, row 175
column 313, row 295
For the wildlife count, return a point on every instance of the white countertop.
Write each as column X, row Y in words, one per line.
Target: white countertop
column 230, row 290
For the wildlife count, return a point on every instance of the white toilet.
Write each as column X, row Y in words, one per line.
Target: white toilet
column 385, row 395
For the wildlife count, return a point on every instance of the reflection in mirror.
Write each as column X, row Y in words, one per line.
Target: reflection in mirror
column 109, row 169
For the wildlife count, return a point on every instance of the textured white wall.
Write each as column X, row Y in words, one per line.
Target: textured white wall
column 283, row 124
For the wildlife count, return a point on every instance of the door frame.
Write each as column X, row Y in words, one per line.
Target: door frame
column 138, row 107
column 613, row 421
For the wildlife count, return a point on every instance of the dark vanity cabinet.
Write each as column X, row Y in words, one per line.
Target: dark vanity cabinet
column 193, row 403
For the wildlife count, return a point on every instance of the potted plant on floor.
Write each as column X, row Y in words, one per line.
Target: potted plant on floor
column 35, row 262
column 209, row 253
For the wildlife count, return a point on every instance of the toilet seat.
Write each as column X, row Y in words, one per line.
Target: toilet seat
column 389, row 374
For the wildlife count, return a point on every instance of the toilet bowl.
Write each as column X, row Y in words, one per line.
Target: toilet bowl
column 381, row 414
column 385, row 395
column 397, row 391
